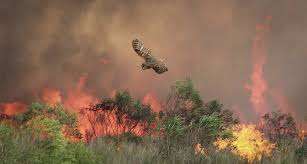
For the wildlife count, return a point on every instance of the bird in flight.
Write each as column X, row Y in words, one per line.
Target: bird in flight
column 150, row 61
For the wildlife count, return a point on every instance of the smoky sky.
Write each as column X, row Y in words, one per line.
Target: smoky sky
column 51, row 43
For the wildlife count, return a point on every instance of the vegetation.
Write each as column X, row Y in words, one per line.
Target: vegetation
column 118, row 115
column 40, row 138
column 123, row 130
column 280, row 128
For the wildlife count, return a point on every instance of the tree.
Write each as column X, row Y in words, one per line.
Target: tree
column 118, row 115
column 203, row 122
column 280, row 128
column 183, row 100
column 209, row 128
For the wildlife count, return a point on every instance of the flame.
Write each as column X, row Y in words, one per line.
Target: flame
column 222, row 144
column 90, row 124
column 93, row 124
column 258, row 86
column 302, row 134
column 248, row 142
column 152, row 100
column 78, row 97
column 12, row 108
column 105, row 123
column 51, row 96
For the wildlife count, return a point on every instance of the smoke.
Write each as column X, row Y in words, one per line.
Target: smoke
column 51, row 44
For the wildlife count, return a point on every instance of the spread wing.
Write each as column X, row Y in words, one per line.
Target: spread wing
column 138, row 47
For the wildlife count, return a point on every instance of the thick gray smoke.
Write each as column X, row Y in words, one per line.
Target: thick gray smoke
column 51, row 43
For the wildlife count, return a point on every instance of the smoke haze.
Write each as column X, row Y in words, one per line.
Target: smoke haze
column 51, row 44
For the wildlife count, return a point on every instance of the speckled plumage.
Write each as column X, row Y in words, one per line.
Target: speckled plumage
column 150, row 60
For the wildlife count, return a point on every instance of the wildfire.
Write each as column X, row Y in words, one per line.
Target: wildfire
column 222, row 144
column 258, row 86
column 104, row 123
column 302, row 134
column 78, row 97
column 12, row 108
column 248, row 142
column 51, row 96
column 152, row 100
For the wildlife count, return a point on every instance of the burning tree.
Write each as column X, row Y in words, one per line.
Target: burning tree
column 118, row 115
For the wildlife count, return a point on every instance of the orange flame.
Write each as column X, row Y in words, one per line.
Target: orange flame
column 248, row 142
column 302, row 134
column 78, row 97
column 51, row 96
column 258, row 86
column 90, row 124
column 93, row 124
column 152, row 100
column 12, row 108
column 102, row 123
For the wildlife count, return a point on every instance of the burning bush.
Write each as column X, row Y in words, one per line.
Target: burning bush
column 118, row 115
column 247, row 142
column 40, row 112
column 43, row 135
